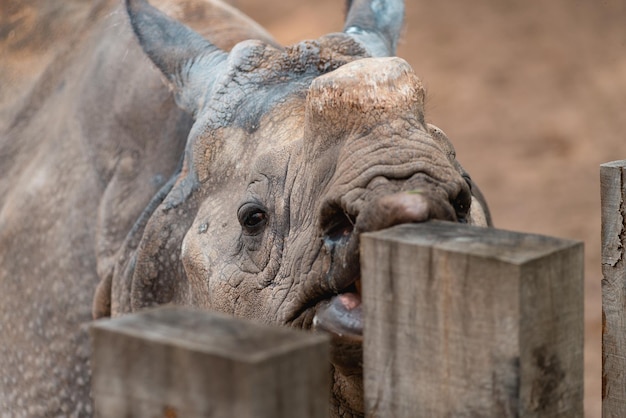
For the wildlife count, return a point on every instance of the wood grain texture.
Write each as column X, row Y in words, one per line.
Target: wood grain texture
column 613, row 193
column 174, row 362
column 463, row 321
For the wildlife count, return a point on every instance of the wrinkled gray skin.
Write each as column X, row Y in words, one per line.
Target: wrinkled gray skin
column 253, row 205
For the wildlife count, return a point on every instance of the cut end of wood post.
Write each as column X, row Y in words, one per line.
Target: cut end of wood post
column 468, row 321
column 197, row 364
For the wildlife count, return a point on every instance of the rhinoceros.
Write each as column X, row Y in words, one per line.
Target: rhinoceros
column 151, row 163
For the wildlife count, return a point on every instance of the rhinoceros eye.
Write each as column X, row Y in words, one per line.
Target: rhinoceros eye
column 252, row 218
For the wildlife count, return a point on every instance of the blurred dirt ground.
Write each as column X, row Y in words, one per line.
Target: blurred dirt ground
column 533, row 95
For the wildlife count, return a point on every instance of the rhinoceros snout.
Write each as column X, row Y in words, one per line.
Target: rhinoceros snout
column 399, row 208
column 408, row 205
column 342, row 223
column 340, row 234
column 341, row 229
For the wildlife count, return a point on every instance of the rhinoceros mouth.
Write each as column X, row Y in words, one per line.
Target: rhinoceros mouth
column 341, row 317
column 339, row 313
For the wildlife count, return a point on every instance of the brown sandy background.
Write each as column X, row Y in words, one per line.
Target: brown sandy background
column 533, row 95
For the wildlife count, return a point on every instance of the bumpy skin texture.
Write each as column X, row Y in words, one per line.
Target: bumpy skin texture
column 246, row 202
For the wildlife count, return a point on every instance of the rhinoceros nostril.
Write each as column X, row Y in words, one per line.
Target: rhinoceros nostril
column 461, row 204
column 341, row 247
column 337, row 224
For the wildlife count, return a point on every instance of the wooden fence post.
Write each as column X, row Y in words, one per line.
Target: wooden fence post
column 173, row 362
column 613, row 195
column 463, row 321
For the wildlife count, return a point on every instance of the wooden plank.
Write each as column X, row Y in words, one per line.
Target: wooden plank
column 613, row 193
column 175, row 362
column 465, row 321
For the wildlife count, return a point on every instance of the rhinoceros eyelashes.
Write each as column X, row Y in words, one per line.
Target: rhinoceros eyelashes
column 252, row 218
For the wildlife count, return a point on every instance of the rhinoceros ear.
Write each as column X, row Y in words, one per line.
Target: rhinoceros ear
column 181, row 54
column 375, row 24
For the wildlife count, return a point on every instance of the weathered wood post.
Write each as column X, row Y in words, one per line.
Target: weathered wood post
column 173, row 362
column 463, row 321
column 613, row 195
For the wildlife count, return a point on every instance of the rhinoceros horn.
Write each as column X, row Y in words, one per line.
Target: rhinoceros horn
column 360, row 95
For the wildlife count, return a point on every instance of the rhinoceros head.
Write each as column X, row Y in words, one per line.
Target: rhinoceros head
column 293, row 154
